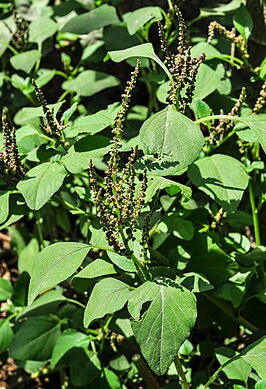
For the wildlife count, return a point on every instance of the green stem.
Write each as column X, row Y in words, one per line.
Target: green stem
column 145, row 372
column 215, row 375
column 225, row 308
column 76, row 303
column 180, row 373
column 39, row 229
column 255, row 216
column 219, row 117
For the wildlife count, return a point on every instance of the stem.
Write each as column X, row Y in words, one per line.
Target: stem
column 145, row 372
column 215, row 375
column 39, row 229
column 76, row 302
column 225, row 308
column 255, row 216
column 180, row 373
column 214, row 117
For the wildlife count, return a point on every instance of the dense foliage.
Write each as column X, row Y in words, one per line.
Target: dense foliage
column 132, row 195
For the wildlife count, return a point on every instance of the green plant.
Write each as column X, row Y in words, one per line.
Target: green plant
column 136, row 227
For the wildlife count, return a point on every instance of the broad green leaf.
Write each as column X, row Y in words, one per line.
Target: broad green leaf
column 41, row 29
column 6, row 335
column 25, row 61
column 196, row 283
column 88, row 148
column 157, row 183
column 5, row 37
column 35, row 339
column 97, row 268
column 171, row 142
column 138, row 18
column 122, row 262
column 93, row 20
column 55, row 264
column 68, row 113
column 28, row 113
column 5, row 289
column 28, row 255
column 144, row 50
column 108, row 296
column 67, row 340
column 45, row 304
column 221, row 177
column 257, row 124
column 4, row 206
column 90, row 82
column 172, row 223
column 260, row 384
column 95, row 123
column 85, row 367
column 214, row 77
column 243, row 22
column 211, row 261
column 41, row 183
column 165, row 324
column 255, row 356
column 236, row 370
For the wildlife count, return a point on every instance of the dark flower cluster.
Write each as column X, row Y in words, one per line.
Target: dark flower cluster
column 11, row 168
column 52, row 128
column 21, row 34
column 182, row 66
column 120, row 196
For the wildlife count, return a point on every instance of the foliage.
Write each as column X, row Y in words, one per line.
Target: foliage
column 132, row 247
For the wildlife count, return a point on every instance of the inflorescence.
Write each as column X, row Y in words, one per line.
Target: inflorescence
column 52, row 128
column 237, row 40
column 260, row 103
column 120, row 197
column 11, row 168
column 182, row 66
column 225, row 125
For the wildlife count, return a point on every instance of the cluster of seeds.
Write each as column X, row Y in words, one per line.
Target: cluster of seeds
column 218, row 219
column 237, row 40
column 225, row 125
column 120, row 196
column 21, row 34
column 182, row 66
column 52, row 128
column 11, row 168
column 260, row 103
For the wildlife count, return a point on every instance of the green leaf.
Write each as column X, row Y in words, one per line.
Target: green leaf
column 171, row 141
column 35, row 339
column 138, row 18
column 4, row 206
column 157, row 183
column 165, row 324
column 28, row 113
column 236, row 370
column 108, row 296
column 41, row 183
column 174, row 224
column 55, row 264
column 5, row 289
column 102, row 16
column 84, row 367
column 67, row 340
column 90, row 82
column 260, row 384
column 214, row 77
column 255, row 356
column 211, row 261
column 28, row 255
column 257, row 124
column 243, row 22
column 88, row 148
column 6, row 335
column 25, row 61
column 41, row 29
column 122, row 262
column 45, row 304
column 97, row 122
column 221, row 177
column 97, row 268
column 196, row 283
column 68, row 113
column 144, row 50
